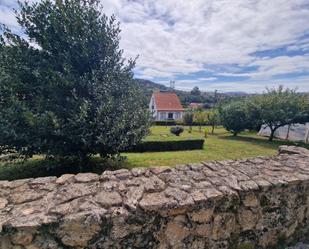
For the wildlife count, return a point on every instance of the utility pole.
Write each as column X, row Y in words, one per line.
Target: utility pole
column 216, row 96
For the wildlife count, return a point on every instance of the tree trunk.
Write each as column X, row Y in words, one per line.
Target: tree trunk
column 271, row 136
column 234, row 134
column 213, row 129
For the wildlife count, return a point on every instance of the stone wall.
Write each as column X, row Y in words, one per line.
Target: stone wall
column 245, row 204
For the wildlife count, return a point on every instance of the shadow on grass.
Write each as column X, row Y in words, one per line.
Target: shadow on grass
column 262, row 141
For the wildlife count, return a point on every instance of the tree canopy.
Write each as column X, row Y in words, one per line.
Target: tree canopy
column 273, row 109
column 234, row 117
column 196, row 91
column 68, row 90
column 279, row 107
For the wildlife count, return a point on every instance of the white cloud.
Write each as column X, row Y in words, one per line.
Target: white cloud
column 280, row 65
column 183, row 37
column 207, row 79
column 251, row 86
column 175, row 38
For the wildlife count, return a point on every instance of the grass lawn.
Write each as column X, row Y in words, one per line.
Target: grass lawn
column 219, row 146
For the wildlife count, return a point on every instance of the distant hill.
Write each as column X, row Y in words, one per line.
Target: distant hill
column 207, row 98
column 236, row 93
column 149, row 86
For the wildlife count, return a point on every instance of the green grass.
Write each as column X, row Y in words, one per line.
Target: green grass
column 219, row 146
column 161, row 133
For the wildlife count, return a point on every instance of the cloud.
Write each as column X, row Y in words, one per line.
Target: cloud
column 207, row 79
column 250, row 86
column 185, row 37
column 208, row 40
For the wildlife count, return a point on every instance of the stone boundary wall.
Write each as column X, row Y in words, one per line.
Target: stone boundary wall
column 244, row 204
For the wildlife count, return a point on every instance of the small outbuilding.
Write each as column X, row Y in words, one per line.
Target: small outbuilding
column 166, row 106
column 195, row 106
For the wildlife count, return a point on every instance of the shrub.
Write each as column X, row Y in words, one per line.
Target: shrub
column 213, row 119
column 177, row 130
column 165, row 123
column 152, row 146
column 188, row 118
column 200, row 118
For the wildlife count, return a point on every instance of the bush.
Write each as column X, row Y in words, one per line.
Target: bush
column 165, row 123
column 213, row 119
column 200, row 118
column 177, row 130
column 152, row 146
column 188, row 118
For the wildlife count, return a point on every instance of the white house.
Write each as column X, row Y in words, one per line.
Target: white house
column 166, row 106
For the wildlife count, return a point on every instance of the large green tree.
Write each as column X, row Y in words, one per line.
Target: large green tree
column 279, row 107
column 67, row 90
column 234, row 116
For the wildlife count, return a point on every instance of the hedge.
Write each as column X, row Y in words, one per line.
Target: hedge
column 173, row 122
column 152, row 146
column 165, row 122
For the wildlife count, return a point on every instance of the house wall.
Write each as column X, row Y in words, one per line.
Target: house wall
column 153, row 108
column 163, row 115
column 254, row 203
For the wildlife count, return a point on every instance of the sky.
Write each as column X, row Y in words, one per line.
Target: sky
column 228, row 45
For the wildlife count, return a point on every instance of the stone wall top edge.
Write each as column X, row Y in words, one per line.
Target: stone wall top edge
column 282, row 150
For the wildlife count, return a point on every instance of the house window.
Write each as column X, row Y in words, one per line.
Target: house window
column 177, row 115
column 170, row 115
column 162, row 115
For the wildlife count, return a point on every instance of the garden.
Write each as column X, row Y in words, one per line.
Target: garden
column 221, row 145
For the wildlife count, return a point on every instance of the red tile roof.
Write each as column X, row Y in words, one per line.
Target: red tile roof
column 167, row 102
column 196, row 105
